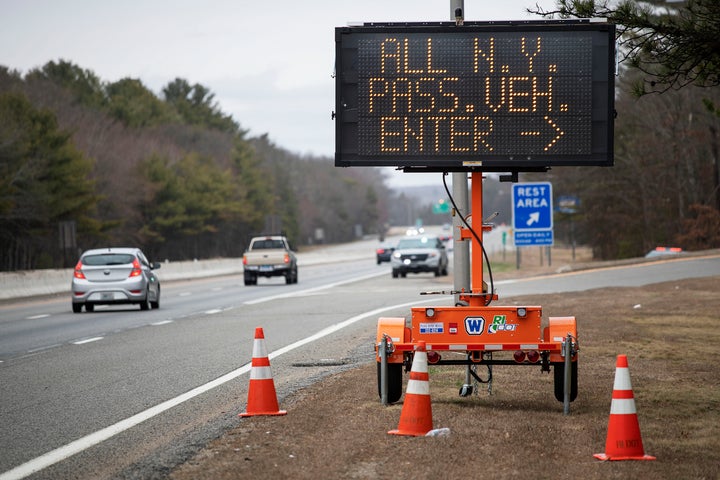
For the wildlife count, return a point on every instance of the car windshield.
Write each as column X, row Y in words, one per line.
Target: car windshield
column 416, row 242
column 108, row 259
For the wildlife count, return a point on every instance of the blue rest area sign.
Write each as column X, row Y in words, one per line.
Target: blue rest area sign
column 532, row 214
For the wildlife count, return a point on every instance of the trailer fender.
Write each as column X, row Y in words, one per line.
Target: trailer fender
column 557, row 331
column 394, row 328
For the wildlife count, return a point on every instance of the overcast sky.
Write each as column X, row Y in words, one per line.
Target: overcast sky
column 269, row 64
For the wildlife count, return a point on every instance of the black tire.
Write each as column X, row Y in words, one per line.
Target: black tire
column 395, row 274
column 156, row 304
column 250, row 279
column 394, row 381
column 77, row 307
column 559, row 372
column 89, row 307
column 145, row 303
column 291, row 277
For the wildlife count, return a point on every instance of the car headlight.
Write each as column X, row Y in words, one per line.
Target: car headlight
column 396, row 255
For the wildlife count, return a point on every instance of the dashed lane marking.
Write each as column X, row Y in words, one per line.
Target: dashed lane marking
column 163, row 322
column 87, row 340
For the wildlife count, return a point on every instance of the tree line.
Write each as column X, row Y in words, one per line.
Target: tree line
column 86, row 163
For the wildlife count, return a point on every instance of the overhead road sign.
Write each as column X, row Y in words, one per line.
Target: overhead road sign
column 532, row 214
column 491, row 96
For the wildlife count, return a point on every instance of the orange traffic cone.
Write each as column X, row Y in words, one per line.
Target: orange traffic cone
column 623, row 438
column 262, row 399
column 416, row 414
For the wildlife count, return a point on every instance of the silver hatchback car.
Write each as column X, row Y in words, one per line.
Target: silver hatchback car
column 110, row 276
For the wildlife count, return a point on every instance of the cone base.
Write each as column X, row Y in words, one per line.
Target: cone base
column 407, row 433
column 255, row 414
column 605, row 458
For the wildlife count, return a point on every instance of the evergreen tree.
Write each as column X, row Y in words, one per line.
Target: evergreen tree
column 84, row 84
column 196, row 105
column 673, row 44
column 43, row 181
column 130, row 102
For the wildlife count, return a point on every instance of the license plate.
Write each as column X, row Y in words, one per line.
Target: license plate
column 266, row 268
column 107, row 296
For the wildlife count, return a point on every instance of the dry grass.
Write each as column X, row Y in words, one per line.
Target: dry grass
column 337, row 428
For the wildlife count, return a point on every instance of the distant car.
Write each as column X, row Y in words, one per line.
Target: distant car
column 664, row 252
column 419, row 254
column 111, row 276
column 383, row 253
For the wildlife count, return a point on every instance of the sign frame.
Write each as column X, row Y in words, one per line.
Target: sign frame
column 358, row 143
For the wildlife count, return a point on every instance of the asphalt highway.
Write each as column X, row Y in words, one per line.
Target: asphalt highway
column 129, row 394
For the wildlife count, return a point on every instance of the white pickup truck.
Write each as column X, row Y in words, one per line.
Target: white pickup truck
column 269, row 256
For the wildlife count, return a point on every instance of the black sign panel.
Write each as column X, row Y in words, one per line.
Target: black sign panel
column 482, row 95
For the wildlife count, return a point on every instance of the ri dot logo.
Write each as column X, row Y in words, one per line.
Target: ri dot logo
column 474, row 325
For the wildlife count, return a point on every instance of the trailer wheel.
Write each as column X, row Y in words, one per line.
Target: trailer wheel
column 394, row 381
column 559, row 372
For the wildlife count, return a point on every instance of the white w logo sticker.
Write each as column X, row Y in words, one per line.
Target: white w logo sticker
column 474, row 325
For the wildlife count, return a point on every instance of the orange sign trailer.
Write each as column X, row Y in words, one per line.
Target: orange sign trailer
column 486, row 334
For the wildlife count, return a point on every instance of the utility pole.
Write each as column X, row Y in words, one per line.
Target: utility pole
column 461, row 248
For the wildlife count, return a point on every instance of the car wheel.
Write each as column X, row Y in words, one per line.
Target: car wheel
column 250, row 279
column 395, row 273
column 438, row 272
column 145, row 304
column 89, row 307
column 77, row 307
column 156, row 303
column 403, row 274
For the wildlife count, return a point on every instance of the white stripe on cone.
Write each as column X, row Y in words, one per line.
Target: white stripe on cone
column 260, row 373
column 622, row 379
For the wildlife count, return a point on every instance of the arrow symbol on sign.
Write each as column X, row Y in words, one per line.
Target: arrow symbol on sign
column 554, row 131
column 559, row 133
column 534, row 218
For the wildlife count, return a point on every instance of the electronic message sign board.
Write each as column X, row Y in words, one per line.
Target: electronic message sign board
column 489, row 96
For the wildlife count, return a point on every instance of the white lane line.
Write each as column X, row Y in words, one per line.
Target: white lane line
column 36, row 317
column 213, row 311
column 163, row 322
column 301, row 293
column 42, row 349
column 184, row 294
column 100, row 436
column 87, row 340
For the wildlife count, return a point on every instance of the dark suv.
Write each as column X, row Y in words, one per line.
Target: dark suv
column 419, row 254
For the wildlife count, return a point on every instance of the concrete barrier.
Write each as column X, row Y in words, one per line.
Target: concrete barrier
column 32, row 283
